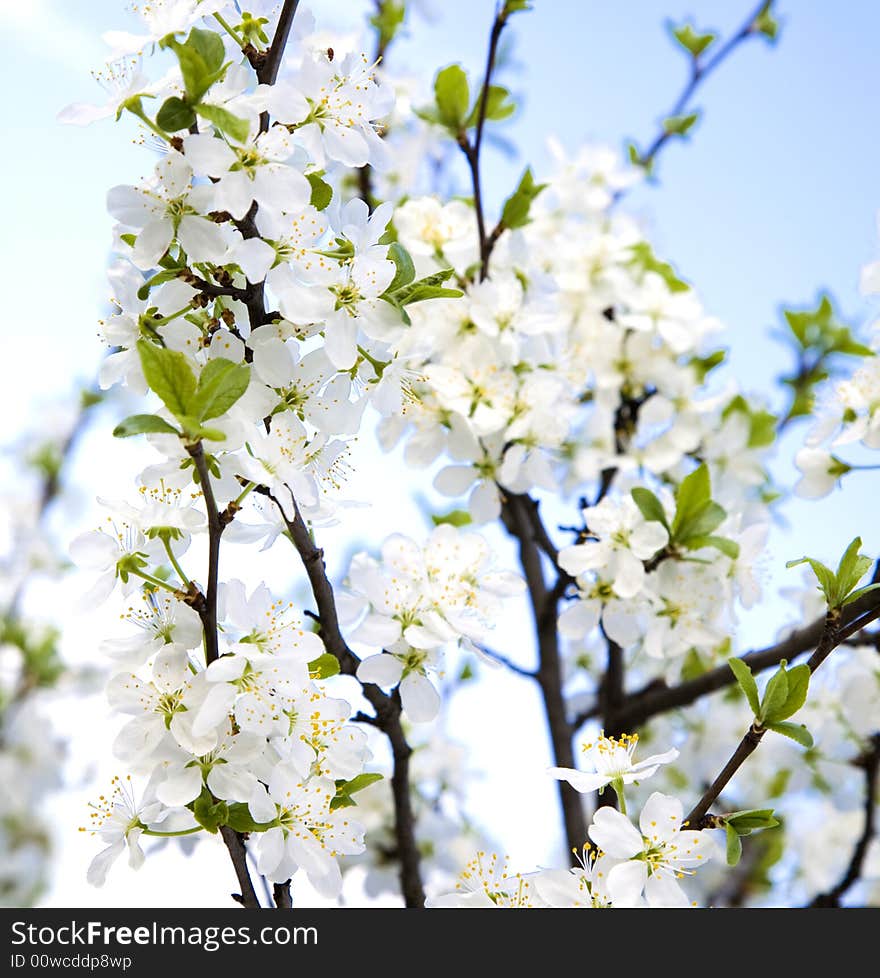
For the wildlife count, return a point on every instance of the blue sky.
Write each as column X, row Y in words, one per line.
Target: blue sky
column 773, row 199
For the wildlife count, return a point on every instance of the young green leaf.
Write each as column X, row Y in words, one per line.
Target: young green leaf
column 208, row 813
column 345, row 789
column 748, row 820
column 680, row 125
column 169, row 375
column 143, row 424
column 775, row 694
column 325, row 666
column 734, row 845
column 730, row 548
column 221, row 384
column 406, row 270
column 499, row 106
column 175, row 115
column 746, row 682
column 798, row 680
column 452, row 94
column 322, row 192
column 649, row 506
column 230, row 125
column 458, row 517
column 795, row 731
column 691, row 40
column 515, row 213
column 240, row 819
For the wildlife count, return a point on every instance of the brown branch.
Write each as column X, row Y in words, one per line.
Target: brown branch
column 238, row 854
column 387, row 708
column 471, row 150
column 833, row 634
column 207, row 609
column 519, row 514
column 267, row 71
column 870, row 762
column 656, row 698
column 281, row 896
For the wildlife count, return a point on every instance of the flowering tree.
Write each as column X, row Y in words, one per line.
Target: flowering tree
column 290, row 271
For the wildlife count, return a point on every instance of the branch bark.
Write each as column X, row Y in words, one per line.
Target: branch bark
column 387, row 708
column 871, row 765
column 519, row 514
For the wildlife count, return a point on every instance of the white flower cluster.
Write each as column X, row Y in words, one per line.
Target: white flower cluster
column 629, row 867
column 417, row 600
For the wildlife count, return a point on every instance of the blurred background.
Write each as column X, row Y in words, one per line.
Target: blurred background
column 771, row 200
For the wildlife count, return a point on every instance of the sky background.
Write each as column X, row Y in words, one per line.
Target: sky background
column 773, row 199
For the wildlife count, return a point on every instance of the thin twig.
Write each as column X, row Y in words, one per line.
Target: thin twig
column 832, row 636
column 870, row 762
column 267, row 71
column 700, row 71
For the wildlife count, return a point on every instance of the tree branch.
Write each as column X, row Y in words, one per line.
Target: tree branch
column 472, row 150
column 870, row 762
column 281, row 896
column 518, row 514
column 238, row 854
column 267, row 71
column 387, row 708
column 656, row 698
column 832, row 636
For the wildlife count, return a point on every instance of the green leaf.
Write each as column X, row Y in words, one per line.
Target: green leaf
column 692, row 497
column 143, row 424
column 701, row 522
column 765, row 23
column 855, row 595
column 458, row 517
column 649, row 506
column 499, row 106
column 429, row 287
column 325, row 666
column 452, row 94
column 169, row 375
column 691, row 40
column 515, row 213
column 730, row 548
column 175, row 115
column 406, row 270
column 221, row 384
column 208, row 813
column 322, row 192
column 746, row 682
column 824, row 575
column 230, row 125
column 240, row 819
column 852, row 568
column 798, row 685
column 209, row 44
column 734, row 845
column 644, row 259
column 746, row 821
column 345, row 789
column 795, row 731
column 198, row 77
column 775, row 694
column 680, row 125
column 702, row 366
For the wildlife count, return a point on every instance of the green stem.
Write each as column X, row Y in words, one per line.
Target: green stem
column 377, row 365
column 231, row 31
column 155, row 581
column 617, row 785
column 149, row 123
column 239, row 499
column 168, row 835
column 186, row 581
